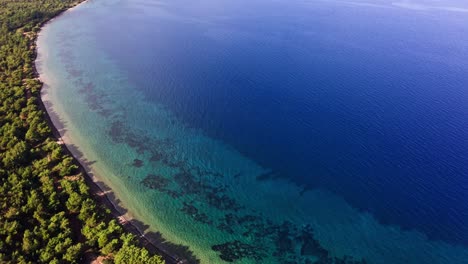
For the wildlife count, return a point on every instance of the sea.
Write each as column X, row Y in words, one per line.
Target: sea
column 272, row 131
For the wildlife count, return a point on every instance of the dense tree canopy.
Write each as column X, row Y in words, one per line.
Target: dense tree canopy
column 47, row 214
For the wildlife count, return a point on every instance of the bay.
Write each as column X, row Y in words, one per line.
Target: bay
column 272, row 131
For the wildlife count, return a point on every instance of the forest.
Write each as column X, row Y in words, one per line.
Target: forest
column 47, row 213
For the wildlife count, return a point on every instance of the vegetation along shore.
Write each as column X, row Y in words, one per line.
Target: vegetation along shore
column 51, row 212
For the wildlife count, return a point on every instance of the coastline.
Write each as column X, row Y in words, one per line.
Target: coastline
column 106, row 173
column 100, row 192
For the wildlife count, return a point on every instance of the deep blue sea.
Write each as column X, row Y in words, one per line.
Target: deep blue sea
column 305, row 130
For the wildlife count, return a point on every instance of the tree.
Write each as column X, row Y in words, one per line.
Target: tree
column 66, row 167
column 32, row 134
column 110, row 247
column 16, row 155
column 30, row 243
column 132, row 254
column 74, row 202
column 73, row 253
column 37, row 207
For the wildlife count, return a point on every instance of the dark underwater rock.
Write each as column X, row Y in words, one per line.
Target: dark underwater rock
column 137, row 163
column 156, row 182
column 192, row 211
column 234, row 250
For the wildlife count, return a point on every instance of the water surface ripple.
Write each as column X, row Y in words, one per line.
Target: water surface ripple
column 273, row 131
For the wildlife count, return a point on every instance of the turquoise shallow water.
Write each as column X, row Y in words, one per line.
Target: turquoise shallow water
column 123, row 118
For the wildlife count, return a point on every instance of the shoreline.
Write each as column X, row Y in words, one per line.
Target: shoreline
column 93, row 177
column 100, row 192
